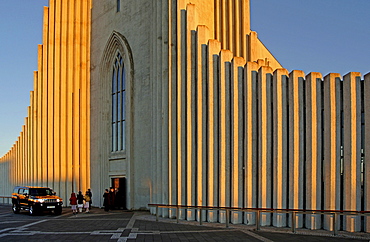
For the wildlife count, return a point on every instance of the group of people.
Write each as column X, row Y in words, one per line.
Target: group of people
column 113, row 199
column 81, row 201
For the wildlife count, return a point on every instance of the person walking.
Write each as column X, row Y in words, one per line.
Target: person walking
column 87, row 202
column 73, row 202
column 80, row 201
column 106, row 200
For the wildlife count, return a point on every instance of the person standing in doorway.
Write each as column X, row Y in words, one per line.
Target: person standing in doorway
column 112, row 198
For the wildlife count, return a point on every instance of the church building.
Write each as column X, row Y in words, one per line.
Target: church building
column 179, row 102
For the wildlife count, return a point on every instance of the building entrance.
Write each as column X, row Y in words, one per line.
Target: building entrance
column 119, row 185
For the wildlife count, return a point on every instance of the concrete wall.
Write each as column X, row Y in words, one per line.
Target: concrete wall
column 53, row 149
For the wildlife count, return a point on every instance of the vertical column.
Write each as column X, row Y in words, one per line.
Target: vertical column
column 367, row 149
column 76, row 96
column 280, row 147
column 202, row 38
column 332, row 136
column 31, row 139
column 224, row 166
column 265, row 142
column 352, row 149
column 181, row 111
column 313, row 148
column 253, row 41
column 296, row 142
column 54, row 164
column 47, row 170
column 84, row 87
column 172, row 107
column 251, row 141
column 245, row 27
column 214, row 48
column 237, row 136
column 191, row 20
column 69, row 108
column 62, row 176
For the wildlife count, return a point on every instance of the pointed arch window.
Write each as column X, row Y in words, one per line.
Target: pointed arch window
column 118, row 105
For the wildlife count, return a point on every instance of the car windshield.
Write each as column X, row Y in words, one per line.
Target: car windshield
column 41, row 192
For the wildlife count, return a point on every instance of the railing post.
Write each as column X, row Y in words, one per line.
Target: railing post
column 156, row 213
column 293, row 222
column 335, row 219
column 227, row 218
column 258, row 225
column 177, row 214
column 200, row 216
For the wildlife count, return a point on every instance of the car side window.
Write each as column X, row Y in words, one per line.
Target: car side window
column 21, row 191
column 25, row 191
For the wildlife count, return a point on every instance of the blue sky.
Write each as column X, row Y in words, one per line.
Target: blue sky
column 310, row 35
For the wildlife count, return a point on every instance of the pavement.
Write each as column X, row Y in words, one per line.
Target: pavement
column 119, row 225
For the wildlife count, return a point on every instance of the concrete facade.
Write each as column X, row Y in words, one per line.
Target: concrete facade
column 208, row 117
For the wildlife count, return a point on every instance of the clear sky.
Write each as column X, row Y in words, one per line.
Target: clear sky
column 310, row 35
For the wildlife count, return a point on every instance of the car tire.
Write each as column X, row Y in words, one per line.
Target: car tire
column 15, row 208
column 58, row 211
column 32, row 210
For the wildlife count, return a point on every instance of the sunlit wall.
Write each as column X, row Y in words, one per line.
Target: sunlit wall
column 53, row 147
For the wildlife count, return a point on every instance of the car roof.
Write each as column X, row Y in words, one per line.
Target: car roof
column 31, row 187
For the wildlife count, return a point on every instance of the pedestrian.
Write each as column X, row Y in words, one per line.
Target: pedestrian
column 73, row 202
column 80, row 201
column 87, row 202
column 90, row 195
column 112, row 198
column 106, row 200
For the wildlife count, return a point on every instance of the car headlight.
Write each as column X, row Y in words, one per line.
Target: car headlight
column 38, row 200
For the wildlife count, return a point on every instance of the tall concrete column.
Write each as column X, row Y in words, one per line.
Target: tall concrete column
column 296, row 143
column 201, row 117
column 237, row 136
column 191, row 24
column 181, row 110
column 251, row 140
column 352, row 149
column 265, row 142
column 313, row 148
column 224, row 165
column 280, row 147
column 332, row 139
column 214, row 48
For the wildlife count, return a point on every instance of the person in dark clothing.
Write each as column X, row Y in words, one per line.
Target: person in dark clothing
column 119, row 199
column 89, row 193
column 112, row 198
column 80, row 201
column 106, row 200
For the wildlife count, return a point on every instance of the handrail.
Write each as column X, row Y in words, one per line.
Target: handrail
column 6, row 197
column 258, row 212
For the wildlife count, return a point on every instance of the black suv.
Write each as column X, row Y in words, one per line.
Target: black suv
column 35, row 199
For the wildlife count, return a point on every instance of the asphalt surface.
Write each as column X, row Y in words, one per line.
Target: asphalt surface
column 119, row 225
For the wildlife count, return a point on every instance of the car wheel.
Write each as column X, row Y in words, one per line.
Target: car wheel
column 58, row 211
column 15, row 208
column 32, row 210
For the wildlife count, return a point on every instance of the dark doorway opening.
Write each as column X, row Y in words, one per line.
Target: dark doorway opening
column 119, row 185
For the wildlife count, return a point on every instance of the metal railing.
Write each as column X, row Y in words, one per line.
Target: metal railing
column 293, row 213
column 8, row 199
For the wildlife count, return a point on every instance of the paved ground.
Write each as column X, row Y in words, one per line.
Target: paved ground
column 141, row 226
